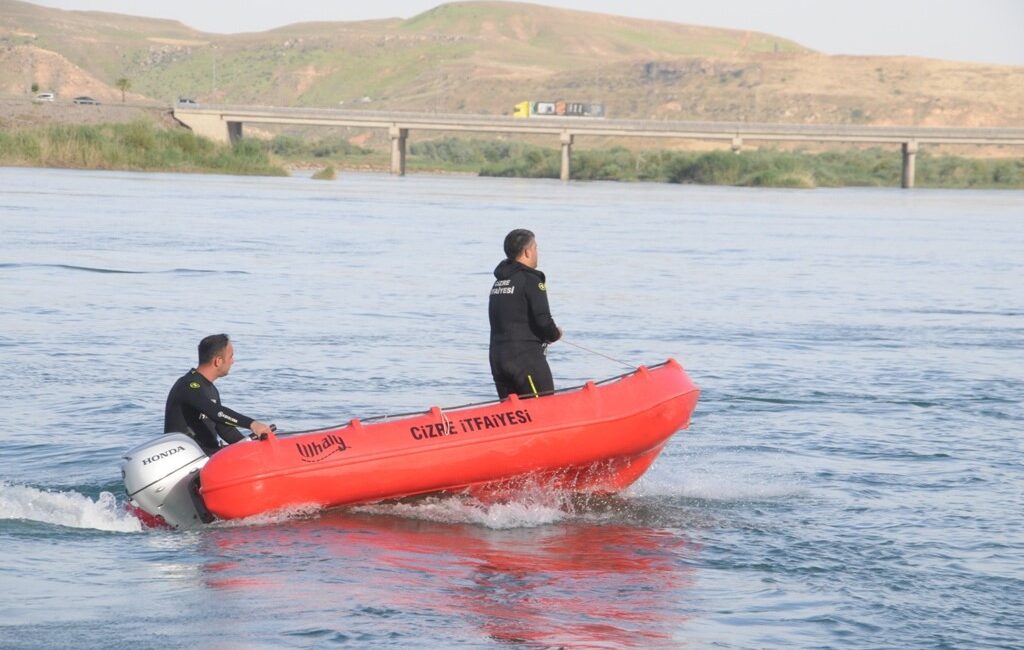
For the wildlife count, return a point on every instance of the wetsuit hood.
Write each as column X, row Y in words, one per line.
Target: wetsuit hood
column 507, row 268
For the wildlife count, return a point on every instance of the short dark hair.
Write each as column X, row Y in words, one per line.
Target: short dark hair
column 516, row 242
column 211, row 346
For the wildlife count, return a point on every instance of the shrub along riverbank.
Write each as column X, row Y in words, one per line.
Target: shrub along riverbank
column 147, row 147
column 875, row 167
column 138, row 146
column 767, row 168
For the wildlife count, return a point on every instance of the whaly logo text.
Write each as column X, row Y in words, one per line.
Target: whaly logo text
column 314, row 452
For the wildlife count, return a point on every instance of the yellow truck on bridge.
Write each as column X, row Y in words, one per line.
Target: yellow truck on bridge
column 558, row 109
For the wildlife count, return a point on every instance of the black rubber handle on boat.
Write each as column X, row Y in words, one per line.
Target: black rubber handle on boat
column 262, row 436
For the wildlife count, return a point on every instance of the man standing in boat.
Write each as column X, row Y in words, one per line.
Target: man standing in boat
column 193, row 405
column 521, row 322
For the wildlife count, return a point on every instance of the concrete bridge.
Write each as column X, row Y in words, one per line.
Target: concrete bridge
column 224, row 124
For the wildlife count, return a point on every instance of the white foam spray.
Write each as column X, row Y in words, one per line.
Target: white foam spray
column 71, row 509
column 527, row 510
column 301, row 511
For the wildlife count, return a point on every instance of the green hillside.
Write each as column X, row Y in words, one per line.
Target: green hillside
column 483, row 57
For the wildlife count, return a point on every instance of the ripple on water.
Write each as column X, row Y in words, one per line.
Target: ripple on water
column 852, row 471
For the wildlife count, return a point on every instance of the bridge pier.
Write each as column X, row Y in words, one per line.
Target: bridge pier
column 398, row 138
column 909, row 158
column 566, row 155
column 234, row 131
column 208, row 126
column 213, row 127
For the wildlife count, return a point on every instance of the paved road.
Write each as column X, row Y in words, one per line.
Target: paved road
column 608, row 127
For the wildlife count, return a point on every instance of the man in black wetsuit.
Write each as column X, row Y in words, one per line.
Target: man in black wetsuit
column 521, row 323
column 193, row 405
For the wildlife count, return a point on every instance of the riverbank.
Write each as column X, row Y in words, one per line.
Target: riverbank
column 145, row 145
column 874, row 167
column 137, row 146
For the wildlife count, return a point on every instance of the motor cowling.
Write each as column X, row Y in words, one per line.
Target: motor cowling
column 161, row 478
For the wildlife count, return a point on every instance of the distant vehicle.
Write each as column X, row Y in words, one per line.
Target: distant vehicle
column 44, row 97
column 187, row 102
column 84, row 99
column 557, row 109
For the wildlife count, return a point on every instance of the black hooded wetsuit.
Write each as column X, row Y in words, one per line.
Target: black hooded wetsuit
column 194, row 408
column 521, row 324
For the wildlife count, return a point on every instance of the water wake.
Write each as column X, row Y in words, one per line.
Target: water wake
column 94, row 269
column 70, row 509
column 526, row 511
column 722, row 484
column 276, row 517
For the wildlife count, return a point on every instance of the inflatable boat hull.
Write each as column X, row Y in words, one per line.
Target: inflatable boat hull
column 597, row 438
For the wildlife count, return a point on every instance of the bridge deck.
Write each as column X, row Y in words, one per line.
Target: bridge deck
column 607, row 127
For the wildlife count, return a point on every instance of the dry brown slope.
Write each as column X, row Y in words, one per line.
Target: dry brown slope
column 485, row 56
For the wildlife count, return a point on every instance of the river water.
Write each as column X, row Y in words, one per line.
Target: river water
column 852, row 477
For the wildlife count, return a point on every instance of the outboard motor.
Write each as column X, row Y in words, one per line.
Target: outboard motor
column 161, row 478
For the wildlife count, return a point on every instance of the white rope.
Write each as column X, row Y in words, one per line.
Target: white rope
column 586, row 349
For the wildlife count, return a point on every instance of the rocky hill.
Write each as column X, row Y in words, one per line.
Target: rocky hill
column 483, row 57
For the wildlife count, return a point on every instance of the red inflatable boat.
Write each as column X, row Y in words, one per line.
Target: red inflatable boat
column 595, row 438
